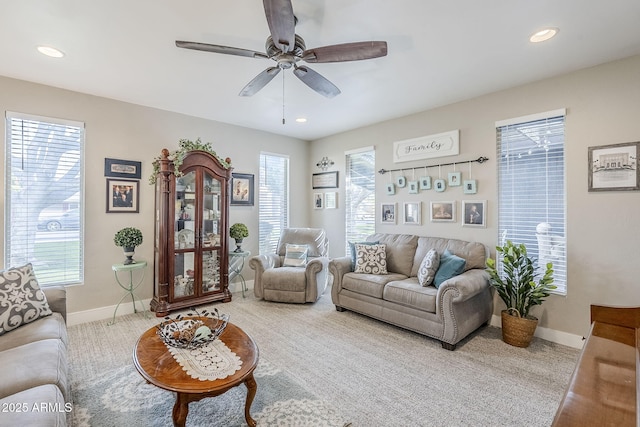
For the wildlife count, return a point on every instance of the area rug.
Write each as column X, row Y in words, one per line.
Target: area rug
column 121, row 397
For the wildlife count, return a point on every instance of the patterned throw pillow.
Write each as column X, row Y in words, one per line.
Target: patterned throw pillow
column 296, row 255
column 352, row 248
column 371, row 259
column 428, row 267
column 21, row 300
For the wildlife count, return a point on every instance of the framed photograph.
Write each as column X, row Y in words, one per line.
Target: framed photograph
column 123, row 195
column 443, row 211
column 388, row 213
column 401, row 181
column 413, row 187
column 474, row 213
column 614, row 167
column 470, row 186
column 391, row 189
column 455, row 179
column 117, row 168
column 331, row 200
column 324, row 180
column 440, row 185
column 425, row 183
column 412, row 214
column 318, row 201
column 241, row 189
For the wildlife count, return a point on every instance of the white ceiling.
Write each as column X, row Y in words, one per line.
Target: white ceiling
column 440, row 52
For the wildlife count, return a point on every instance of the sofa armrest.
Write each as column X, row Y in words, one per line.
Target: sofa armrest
column 338, row 267
column 317, row 275
column 259, row 264
column 57, row 299
column 468, row 284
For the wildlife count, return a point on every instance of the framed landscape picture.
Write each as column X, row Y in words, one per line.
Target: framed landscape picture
column 443, row 211
column 614, row 167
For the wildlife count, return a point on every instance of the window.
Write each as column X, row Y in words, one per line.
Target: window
column 273, row 210
column 360, row 201
column 531, row 188
column 43, row 197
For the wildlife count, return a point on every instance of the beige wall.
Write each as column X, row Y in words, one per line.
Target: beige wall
column 125, row 131
column 603, row 237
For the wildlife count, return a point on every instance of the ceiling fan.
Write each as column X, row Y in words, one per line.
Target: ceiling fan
column 287, row 48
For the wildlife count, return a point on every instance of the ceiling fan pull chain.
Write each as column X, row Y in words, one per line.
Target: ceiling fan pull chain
column 283, row 98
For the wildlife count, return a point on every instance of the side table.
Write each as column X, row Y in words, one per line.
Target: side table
column 131, row 286
column 236, row 264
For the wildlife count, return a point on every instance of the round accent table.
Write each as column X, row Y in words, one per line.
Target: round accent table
column 131, row 286
column 157, row 365
column 236, row 265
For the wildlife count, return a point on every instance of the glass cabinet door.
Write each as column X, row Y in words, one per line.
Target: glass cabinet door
column 184, row 238
column 210, row 232
column 210, row 271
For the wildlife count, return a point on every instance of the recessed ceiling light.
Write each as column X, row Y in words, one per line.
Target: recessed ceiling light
column 301, row 120
column 543, row 35
column 50, row 51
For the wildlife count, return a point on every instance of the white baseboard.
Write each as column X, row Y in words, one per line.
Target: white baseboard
column 552, row 335
column 102, row 313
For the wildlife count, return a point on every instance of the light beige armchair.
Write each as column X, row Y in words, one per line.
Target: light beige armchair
column 277, row 278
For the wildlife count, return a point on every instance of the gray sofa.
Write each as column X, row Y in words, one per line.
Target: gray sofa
column 449, row 313
column 34, row 390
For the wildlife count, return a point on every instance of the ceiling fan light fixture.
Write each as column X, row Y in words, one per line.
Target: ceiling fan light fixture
column 301, row 120
column 50, row 51
column 543, row 35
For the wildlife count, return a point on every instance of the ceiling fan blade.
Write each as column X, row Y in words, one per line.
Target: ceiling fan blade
column 220, row 49
column 316, row 82
column 259, row 81
column 346, row 52
column 281, row 23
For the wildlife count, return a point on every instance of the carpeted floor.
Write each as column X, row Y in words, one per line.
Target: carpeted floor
column 321, row 367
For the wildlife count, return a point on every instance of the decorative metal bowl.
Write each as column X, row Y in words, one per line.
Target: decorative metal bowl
column 192, row 330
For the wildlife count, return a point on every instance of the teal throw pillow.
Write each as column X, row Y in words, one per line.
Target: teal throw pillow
column 450, row 266
column 352, row 248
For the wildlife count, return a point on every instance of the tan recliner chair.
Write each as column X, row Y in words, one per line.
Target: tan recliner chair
column 275, row 281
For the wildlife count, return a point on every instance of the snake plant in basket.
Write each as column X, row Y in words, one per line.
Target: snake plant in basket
column 521, row 288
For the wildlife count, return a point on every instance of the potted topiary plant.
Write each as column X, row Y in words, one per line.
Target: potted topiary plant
column 518, row 289
column 238, row 231
column 128, row 238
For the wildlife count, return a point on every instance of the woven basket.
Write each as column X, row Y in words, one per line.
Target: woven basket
column 518, row 331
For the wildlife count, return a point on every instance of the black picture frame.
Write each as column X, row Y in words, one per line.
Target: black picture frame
column 116, row 168
column 123, row 196
column 242, row 190
column 324, row 180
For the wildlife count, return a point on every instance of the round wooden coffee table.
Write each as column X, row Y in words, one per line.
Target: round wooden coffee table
column 157, row 365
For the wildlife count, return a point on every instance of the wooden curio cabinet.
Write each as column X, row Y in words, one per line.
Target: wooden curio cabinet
column 191, row 262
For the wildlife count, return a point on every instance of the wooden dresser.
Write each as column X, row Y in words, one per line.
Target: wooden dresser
column 604, row 387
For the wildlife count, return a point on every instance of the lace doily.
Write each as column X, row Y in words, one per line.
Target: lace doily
column 212, row 361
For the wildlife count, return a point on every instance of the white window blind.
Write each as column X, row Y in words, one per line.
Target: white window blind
column 273, row 208
column 360, row 203
column 43, row 197
column 532, row 192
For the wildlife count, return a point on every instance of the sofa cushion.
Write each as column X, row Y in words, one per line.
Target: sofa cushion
column 32, row 407
column 34, row 364
column 45, row 328
column 285, row 279
column 474, row 253
column 410, row 293
column 371, row 259
column 296, row 255
column 450, row 266
column 352, row 251
column 22, row 300
column 401, row 249
column 428, row 267
column 369, row 284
